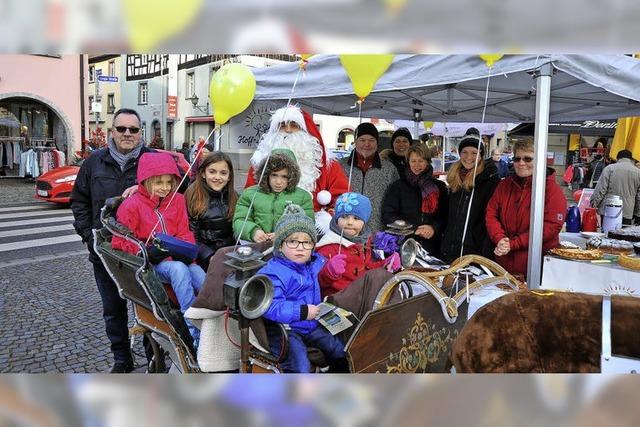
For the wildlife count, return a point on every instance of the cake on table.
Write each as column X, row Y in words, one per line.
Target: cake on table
column 610, row 246
column 631, row 234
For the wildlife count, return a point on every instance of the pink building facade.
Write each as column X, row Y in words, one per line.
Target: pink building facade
column 41, row 100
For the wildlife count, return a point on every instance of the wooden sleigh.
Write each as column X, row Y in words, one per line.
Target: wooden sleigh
column 418, row 333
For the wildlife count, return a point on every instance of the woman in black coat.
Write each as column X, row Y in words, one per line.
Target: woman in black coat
column 461, row 184
column 419, row 199
column 211, row 201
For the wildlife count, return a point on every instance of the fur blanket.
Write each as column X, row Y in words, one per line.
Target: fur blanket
column 545, row 332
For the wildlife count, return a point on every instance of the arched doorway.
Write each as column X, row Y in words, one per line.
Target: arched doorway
column 30, row 120
column 155, row 140
column 345, row 139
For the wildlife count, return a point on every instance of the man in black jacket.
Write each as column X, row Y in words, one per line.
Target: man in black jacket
column 107, row 173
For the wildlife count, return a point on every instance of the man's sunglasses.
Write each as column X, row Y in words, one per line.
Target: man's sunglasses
column 526, row 159
column 123, row 129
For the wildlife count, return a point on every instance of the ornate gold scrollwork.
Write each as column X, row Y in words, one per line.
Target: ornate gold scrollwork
column 421, row 345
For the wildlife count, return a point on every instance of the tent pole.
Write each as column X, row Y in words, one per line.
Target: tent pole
column 543, row 100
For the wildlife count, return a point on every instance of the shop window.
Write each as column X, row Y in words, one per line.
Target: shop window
column 190, row 89
column 142, row 93
column 143, row 128
column 92, row 73
column 111, row 103
column 112, row 68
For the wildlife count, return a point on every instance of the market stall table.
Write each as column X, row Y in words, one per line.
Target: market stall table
column 589, row 277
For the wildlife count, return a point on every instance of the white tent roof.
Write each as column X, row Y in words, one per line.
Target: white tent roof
column 451, row 88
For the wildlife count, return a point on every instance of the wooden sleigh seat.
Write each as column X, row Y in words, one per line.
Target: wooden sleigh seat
column 154, row 310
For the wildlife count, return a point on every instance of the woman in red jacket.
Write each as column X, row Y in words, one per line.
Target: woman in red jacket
column 509, row 208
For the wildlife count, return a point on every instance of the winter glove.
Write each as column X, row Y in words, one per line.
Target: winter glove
column 386, row 242
column 204, row 256
column 337, row 265
column 392, row 263
column 156, row 255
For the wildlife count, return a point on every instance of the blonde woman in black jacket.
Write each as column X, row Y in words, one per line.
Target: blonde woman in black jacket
column 462, row 184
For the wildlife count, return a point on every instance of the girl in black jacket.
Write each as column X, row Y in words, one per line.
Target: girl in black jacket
column 461, row 183
column 211, row 201
column 419, row 199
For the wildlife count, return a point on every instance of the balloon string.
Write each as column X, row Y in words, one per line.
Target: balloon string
column 353, row 156
column 293, row 88
column 475, row 168
column 186, row 175
column 253, row 198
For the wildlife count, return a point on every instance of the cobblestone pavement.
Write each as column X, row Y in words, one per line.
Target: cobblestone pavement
column 50, row 309
column 51, row 319
column 16, row 191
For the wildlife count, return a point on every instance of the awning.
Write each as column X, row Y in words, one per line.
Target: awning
column 199, row 119
column 585, row 128
column 627, row 137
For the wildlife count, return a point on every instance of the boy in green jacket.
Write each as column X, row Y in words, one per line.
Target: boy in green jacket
column 274, row 192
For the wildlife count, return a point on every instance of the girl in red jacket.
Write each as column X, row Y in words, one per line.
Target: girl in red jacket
column 158, row 177
column 508, row 212
column 351, row 256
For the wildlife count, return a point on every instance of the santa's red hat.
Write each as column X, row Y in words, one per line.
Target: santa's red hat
column 312, row 129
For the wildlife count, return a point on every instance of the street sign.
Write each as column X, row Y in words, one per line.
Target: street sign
column 112, row 79
column 99, row 72
column 96, row 107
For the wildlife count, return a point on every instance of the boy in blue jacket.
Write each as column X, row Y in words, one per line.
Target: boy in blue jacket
column 294, row 272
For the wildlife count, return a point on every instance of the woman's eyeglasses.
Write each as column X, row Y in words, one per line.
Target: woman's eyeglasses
column 294, row 244
column 123, row 129
column 526, row 159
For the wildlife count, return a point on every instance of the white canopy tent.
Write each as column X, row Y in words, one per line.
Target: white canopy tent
column 451, row 88
column 453, row 129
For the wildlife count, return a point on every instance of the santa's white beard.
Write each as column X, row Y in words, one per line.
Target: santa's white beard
column 306, row 148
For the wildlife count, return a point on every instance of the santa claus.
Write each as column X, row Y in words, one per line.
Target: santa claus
column 293, row 128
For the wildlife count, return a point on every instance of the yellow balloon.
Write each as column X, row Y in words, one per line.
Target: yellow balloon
column 427, row 125
column 231, row 91
column 306, row 56
column 365, row 70
column 151, row 23
column 491, row 58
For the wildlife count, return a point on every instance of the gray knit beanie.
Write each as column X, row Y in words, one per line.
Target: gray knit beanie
column 293, row 220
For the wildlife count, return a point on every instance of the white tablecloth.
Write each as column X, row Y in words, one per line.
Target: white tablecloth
column 587, row 277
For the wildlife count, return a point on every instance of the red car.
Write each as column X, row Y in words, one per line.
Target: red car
column 55, row 186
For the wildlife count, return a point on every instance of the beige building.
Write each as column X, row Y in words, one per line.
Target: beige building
column 102, row 91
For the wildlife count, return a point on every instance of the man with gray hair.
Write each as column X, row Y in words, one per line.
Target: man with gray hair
column 503, row 167
column 621, row 179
